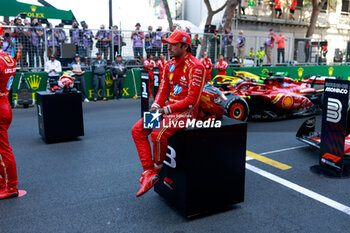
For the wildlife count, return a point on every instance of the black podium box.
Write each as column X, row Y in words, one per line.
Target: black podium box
column 205, row 168
column 60, row 115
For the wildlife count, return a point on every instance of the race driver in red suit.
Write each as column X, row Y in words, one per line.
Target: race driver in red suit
column 182, row 84
column 8, row 171
column 149, row 64
column 208, row 65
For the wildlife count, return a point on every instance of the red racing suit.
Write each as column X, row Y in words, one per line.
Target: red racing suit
column 221, row 67
column 8, row 169
column 161, row 66
column 150, row 65
column 182, row 83
column 208, row 65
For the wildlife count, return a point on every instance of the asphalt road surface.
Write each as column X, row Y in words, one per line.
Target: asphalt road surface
column 89, row 185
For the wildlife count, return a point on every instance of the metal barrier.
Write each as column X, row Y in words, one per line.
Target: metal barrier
column 33, row 45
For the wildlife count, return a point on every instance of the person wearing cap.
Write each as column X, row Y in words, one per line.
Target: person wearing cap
column 149, row 35
column 104, row 39
column 118, row 73
column 177, row 101
column 221, row 65
column 98, row 68
column 75, row 35
column 226, row 41
column 137, row 37
column 78, row 68
column 241, row 44
column 157, row 42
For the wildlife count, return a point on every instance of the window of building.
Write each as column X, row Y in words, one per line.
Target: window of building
column 345, row 5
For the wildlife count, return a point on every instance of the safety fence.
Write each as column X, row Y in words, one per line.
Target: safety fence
column 33, row 45
column 38, row 80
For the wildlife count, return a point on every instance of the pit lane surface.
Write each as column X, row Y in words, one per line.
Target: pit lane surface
column 89, row 185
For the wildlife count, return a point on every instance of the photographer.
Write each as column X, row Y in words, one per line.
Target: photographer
column 148, row 41
column 62, row 38
column 104, row 39
column 226, row 41
column 87, row 42
column 8, row 45
column 137, row 38
column 117, row 41
column 75, row 35
column 35, row 34
column 241, row 43
column 51, row 39
column 157, row 42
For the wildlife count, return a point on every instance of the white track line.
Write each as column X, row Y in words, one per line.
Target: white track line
column 286, row 149
column 325, row 200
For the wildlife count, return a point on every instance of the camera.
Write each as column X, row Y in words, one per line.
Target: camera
column 83, row 24
column 75, row 25
column 34, row 24
column 158, row 30
column 7, row 34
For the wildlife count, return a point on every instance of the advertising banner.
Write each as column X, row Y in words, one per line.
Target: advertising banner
column 334, row 121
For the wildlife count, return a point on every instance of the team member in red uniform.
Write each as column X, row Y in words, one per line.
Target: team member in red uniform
column 183, row 82
column 8, row 171
column 161, row 65
column 292, row 9
column 208, row 65
column 149, row 64
column 221, row 65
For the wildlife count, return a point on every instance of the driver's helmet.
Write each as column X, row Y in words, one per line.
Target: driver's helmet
column 238, row 82
column 66, row 81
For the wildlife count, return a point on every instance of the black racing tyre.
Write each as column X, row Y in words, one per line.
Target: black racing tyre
column 237, row 108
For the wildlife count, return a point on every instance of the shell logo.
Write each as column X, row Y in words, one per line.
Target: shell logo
column 330, row 71
column 264, row 71
column 287, row 102
column 33, row 8
column 300, row 72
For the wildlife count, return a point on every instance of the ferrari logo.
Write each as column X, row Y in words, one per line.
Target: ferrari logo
column 300, row 72
column 171, row 76
column 109, row 80
column 185, row 68
column 330, row 71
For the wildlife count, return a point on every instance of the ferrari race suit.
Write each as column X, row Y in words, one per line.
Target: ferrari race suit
column 208, row 65
column 221, row 67
column 161, row 66
column 8, row 171
column 183, row 81
column 150, row 65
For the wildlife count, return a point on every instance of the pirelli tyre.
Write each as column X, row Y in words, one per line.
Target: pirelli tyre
column 237, row 108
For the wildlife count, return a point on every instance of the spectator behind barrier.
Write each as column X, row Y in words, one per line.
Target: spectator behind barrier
column 104, row 39
column 137, row 37
column 87, row 44
column 157, row 42
column 149, row 35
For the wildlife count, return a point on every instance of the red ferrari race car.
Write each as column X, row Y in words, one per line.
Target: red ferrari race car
column 278, row 98
column 214, row 103
column 308, row 135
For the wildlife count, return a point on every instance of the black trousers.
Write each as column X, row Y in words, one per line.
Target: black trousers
column 118, row 85
column 280, row 52
column 81, row 85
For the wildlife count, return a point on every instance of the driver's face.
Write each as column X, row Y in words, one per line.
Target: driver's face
column 175, row 50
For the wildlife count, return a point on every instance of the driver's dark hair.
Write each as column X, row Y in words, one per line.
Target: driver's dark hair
column 189, row 50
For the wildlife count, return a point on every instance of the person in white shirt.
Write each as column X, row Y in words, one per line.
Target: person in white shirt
column 53, row 68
